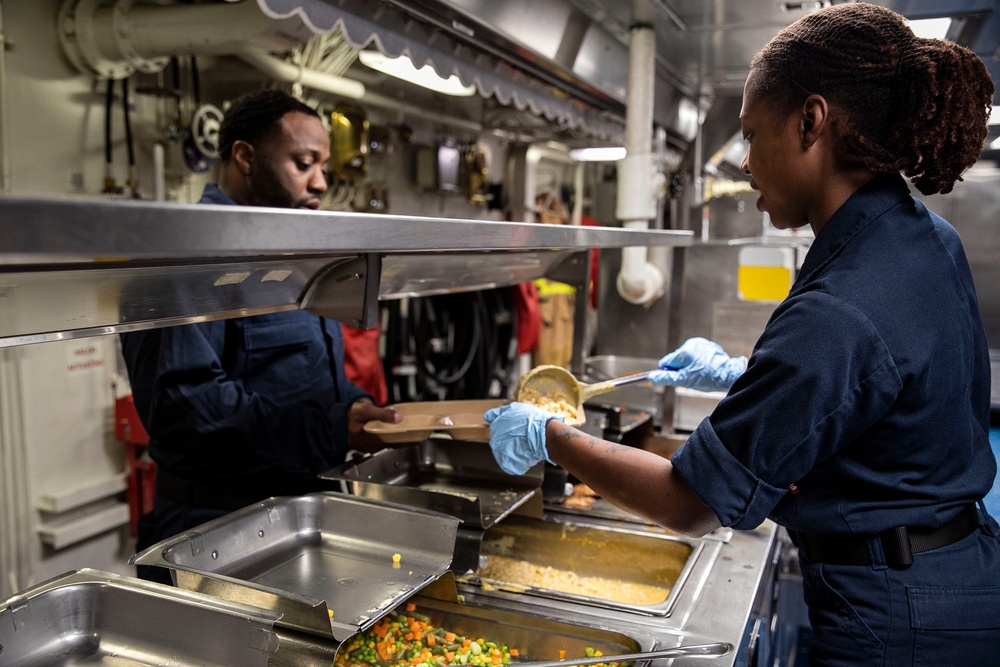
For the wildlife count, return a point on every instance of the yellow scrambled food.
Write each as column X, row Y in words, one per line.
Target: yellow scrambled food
column 515, row 571
column 557, row 404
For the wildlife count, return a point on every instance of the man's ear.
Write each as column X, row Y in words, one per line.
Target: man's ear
column 815, row 117
column 243, row 156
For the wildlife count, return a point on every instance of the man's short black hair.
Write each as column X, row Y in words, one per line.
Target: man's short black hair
column 253, row 115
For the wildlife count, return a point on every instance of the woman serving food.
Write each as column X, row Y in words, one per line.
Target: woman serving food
column 860, row 421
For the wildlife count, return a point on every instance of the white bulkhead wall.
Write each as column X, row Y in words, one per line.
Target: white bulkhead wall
column 57, row 446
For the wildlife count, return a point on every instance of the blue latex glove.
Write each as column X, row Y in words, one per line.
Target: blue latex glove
column 517, row 436
column 699, row 364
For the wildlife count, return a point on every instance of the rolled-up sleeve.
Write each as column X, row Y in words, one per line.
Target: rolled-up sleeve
column 819, row 376
column 734, row 492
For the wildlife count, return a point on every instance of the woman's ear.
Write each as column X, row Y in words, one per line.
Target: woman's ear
column 815, row 116
column 243, row 156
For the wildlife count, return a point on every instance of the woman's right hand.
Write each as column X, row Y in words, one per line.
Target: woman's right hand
column 699, row 364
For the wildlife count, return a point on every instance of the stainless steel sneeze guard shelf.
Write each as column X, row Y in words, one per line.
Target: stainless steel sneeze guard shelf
column 71, row 268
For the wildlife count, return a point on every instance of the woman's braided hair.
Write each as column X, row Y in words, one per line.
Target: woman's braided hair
column 907, row 104
column 254, row 115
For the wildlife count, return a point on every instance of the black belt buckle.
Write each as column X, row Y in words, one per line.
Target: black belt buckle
column 896, row 544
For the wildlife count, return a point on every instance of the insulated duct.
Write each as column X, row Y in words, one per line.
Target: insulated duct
column 113, row 39
column 639, row 184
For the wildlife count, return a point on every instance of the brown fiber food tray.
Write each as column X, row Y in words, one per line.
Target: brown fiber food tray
column 462, row 420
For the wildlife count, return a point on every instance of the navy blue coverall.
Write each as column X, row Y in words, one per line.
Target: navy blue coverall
column 237, row 411
column 864, row 407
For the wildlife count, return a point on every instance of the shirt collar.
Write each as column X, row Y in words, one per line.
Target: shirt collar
column 863, row 207
column 213, row 195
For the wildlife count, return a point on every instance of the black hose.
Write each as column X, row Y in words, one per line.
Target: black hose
column 195, row 82
column 446, row 375
column 465, row 346
column 128, row 124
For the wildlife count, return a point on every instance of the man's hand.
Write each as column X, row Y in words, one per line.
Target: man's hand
column 360, row 413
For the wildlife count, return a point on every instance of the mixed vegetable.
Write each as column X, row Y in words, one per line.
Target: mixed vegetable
column 409, row 640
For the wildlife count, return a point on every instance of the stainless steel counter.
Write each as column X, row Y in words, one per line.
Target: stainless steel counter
column 73, row 267
column 726, row 598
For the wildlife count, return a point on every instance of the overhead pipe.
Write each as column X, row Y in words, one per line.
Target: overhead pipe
column 405, row 110
column 640, row 185
column 282, row 70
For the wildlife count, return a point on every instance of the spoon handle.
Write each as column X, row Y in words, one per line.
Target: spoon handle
column 692, row 651
column 629, row 379
column 588, row 391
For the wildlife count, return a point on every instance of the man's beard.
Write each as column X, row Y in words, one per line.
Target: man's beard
column 266, row 188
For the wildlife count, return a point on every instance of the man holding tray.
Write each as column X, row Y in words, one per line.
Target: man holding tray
column 243, row 409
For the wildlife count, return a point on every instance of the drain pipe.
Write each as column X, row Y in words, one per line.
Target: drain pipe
column 640, row 186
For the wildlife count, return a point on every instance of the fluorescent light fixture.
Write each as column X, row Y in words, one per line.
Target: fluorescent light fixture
column 402, row 68
column 995, row 116
column 598, row 154
column 995, row 144
column 930, row 28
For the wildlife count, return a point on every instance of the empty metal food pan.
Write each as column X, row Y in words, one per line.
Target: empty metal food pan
column 455, row 477
column 649, row 568
column 331, row 564
column 93, row 617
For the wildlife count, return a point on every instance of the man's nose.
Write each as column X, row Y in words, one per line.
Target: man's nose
column 317, row 180
column 745, row 164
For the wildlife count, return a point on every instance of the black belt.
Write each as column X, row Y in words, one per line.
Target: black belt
column 205, row 494
column 899, row 544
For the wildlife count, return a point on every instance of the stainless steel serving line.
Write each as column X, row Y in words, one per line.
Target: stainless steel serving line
column 304, row 575
column 302, row 556
column 79, row 267
column 73, row 268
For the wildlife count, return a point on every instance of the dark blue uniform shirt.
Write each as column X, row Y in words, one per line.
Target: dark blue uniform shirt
column 865, row 404
column 257, row 404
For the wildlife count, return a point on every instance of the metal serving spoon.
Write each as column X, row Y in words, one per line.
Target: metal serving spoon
column 556, row 382
column 693, row 651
